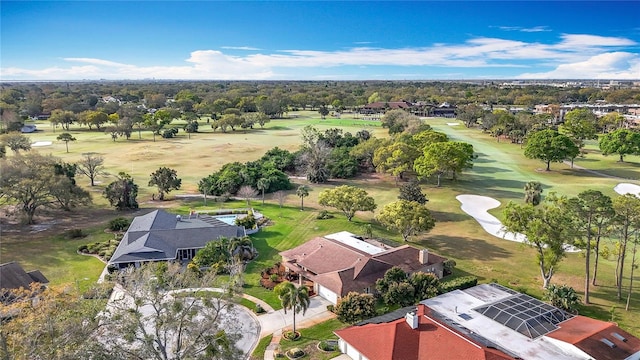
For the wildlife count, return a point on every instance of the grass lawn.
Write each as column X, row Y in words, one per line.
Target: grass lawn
column 310, row 337
column 258, row 352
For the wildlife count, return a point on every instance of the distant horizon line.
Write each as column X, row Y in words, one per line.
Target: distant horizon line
column 323, row 80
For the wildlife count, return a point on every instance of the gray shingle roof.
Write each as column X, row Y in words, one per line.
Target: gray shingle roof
column 13, row 276
column 158, row 235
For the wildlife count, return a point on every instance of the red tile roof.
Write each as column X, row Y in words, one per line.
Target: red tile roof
column 586, row 334
column 431, row 340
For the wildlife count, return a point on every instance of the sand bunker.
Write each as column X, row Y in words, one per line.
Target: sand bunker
column 626, row 188
column 477, row 206
column 41, row 143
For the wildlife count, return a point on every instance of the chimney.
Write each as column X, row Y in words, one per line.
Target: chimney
column 423, row 256
column 412, row 319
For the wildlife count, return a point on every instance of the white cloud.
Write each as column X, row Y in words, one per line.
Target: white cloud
column 247, row 48
column 595, row 56
column 613, row 65
column 521, row 29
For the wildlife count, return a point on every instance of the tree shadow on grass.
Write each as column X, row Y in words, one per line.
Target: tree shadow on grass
column 490, row 169
column 491, row 186
column 465, row 248
column 445, row 216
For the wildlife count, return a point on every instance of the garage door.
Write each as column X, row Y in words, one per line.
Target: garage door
column 352, row 352
column 328, row 294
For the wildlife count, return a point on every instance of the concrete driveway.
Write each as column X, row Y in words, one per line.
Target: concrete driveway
column 277, row 320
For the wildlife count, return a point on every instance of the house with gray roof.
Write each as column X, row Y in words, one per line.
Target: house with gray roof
column 162, row 236
column 13, row 277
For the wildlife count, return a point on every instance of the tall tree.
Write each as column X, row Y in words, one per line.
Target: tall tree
column 395, row 159
column 147, row 322
column 406, row 217
column 66, row 137
column 263, row 185
column 620, row 142
column 589, row 208
column 122, row 193
column 293, row 298
column 16, row 142
column 355, row 307
column 31, row 182
column 627, row 209
column 302, row 192
column 444, row 157
column 91, row 165
column 549, row 145
column 580, row 125
column 547, row 228
column 63, row 118
column 347, row 199
column 166, row 180
column 56, row 326
column 412, row 191
column 246, row 192
column 533, row 193
column 315, row 161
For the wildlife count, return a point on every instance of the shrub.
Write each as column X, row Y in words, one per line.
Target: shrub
column 259, row 309
column 460, row 283
column 83, row 249
column 273, row 277
column 75, row 234
column 249, row 222
column 169, row 133
column 563, row 297
column 323, row 215
column 448, row 266
column 331, row 307
column 295, row 353
column 355, row 307
column 119, row 224
column 326, row 346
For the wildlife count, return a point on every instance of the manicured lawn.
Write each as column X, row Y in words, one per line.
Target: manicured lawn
column 310, row 337
column 55, row 256
column 258, row 352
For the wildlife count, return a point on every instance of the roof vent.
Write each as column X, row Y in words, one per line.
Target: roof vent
column 619, row 337
column 178, row 217
column 608, row 343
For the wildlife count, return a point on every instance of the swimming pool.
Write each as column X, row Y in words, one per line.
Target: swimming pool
column 227, row 219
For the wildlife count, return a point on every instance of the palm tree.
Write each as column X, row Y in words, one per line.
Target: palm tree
column 533, row 192
column 302, row 192
column 262, row 185
column 293, row 298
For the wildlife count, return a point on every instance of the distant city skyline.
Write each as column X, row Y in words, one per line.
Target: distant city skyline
column 331, row 40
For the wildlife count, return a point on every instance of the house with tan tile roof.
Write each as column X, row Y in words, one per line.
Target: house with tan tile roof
column 336, row 264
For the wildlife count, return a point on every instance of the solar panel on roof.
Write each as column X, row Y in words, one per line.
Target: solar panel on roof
column 524, row 314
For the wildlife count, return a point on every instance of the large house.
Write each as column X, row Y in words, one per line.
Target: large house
column 531, row 329
column 161, row 236
column 487, row 321
column 337, row 264
column 413, row 334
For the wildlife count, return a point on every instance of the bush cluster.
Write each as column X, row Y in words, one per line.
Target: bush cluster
column 119, row 224
column 460, row 283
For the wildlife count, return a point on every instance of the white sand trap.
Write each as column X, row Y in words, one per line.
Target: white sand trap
column 41, row 143
column 477, row 206
column 453, row 124
column 626, row 188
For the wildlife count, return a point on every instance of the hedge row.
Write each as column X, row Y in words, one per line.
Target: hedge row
column 460, row 283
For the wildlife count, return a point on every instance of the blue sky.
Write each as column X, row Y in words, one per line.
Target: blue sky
column 305, row 40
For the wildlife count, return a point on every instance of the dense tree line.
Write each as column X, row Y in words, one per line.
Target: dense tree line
column 79, row 102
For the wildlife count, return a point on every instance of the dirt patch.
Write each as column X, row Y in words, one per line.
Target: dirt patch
column 52, row 222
